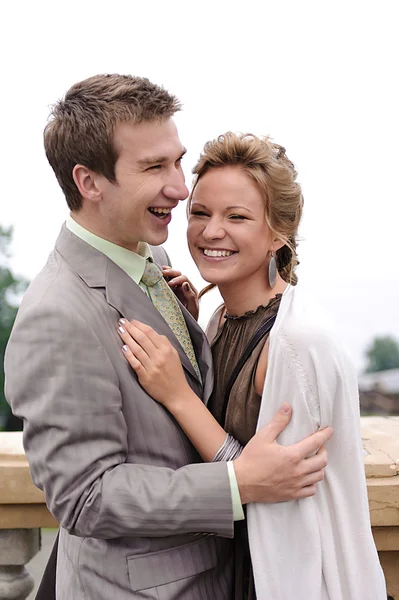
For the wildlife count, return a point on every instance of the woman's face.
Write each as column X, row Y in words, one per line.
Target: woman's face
column 227, row 233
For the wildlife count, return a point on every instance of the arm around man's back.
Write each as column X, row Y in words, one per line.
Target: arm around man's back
column 269, row 472
column 61, row 381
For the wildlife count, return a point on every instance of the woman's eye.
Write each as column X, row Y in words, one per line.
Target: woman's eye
column 237, row 217
column 198, row 213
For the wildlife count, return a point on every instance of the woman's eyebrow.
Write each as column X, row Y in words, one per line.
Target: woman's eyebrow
column 239, row 206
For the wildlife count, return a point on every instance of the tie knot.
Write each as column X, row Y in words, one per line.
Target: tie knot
column 152, row 274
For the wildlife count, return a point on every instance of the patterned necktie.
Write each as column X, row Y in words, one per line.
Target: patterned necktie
column 165, row 302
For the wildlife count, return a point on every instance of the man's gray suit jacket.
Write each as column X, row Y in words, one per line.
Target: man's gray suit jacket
column 134, row 501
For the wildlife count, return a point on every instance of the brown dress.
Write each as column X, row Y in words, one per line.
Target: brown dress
column 242, row 410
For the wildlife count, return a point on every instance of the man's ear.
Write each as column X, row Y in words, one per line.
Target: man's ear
column 86, row 182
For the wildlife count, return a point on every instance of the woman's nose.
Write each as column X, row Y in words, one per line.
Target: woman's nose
column 213, row 231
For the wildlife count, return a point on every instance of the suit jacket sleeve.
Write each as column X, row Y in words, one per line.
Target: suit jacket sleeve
column 60, row 380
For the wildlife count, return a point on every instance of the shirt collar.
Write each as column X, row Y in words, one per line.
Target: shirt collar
column 131, row 262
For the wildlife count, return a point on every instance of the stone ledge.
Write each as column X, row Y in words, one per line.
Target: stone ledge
column 380, row 436
column 16, row 486
column 380, row 441
column 25, row 516
column 11, row 446
column 386, row 538
column 383, row 494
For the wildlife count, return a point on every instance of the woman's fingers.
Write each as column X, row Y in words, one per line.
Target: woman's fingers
column 132, row 360
column 189, row 299
column 142, row 350
column 189, row 290
column 184, row 290
column 175, row 278
column 170, row 273
column 143, row 334
column 145, row 344
column 153, row 358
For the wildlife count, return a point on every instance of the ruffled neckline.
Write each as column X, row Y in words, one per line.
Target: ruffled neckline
column 251, row 313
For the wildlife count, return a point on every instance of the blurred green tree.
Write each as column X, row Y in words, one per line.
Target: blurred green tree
column 382, row 354
column 11, row 287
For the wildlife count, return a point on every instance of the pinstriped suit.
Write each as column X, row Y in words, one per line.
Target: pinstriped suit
column 126, row 485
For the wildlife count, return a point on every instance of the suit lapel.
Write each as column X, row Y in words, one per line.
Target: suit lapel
column 204, row 354
column 198, row 337
column 121, row 292
column 132, row 303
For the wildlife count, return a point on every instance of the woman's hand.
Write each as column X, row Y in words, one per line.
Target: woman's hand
column 155, row 361
column 183, row 288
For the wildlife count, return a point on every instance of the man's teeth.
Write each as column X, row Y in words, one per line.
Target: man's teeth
column 217, row 253
column 161, row 211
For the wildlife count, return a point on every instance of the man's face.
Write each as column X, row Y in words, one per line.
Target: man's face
column 149, row 184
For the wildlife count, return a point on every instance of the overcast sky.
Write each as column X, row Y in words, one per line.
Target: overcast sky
column 319, row 77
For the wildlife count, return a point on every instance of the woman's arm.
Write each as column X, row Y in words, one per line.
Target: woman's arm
column 286, row 473
column 159, row 371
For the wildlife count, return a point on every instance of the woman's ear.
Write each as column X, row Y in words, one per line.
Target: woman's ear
column 86, row 182
column 277, row 244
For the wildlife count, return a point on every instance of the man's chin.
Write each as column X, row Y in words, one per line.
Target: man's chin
column 157, row 239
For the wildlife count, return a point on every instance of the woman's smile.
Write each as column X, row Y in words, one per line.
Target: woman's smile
column 217, row 254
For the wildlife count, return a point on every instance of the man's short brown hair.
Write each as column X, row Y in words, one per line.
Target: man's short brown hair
column 81, row 126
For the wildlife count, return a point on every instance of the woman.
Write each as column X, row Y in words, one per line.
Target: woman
column 244, row 213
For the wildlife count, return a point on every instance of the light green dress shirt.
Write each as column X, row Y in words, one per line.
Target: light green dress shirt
column 134, row 264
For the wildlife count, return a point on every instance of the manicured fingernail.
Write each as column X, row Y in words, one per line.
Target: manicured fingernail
column 121, row 330
column 285, row 408
column 125, row 348
column 122, row 321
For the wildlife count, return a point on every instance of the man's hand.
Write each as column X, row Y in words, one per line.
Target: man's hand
column 269, row 472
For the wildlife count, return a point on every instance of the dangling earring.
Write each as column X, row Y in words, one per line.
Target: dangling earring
column 272, row 271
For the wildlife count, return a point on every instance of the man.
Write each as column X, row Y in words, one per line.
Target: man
column 134, row 502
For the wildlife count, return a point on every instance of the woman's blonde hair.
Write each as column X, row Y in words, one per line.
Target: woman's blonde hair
column 268, row 166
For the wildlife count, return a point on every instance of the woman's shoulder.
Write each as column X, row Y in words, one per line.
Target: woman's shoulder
column 309, row 348
column 306, row 325
column 214, row 323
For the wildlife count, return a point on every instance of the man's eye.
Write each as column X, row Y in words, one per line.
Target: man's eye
column 154, row 167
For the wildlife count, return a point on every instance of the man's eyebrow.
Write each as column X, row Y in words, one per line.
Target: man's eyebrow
column 157, row 160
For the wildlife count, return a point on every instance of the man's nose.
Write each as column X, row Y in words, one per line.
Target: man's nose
column 176, row 188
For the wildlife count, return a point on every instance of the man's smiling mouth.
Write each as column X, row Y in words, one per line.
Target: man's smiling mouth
column 161, row 213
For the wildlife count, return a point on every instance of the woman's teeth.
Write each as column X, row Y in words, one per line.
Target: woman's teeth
column 217, row 253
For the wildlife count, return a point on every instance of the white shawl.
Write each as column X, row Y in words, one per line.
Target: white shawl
column 318, row 548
